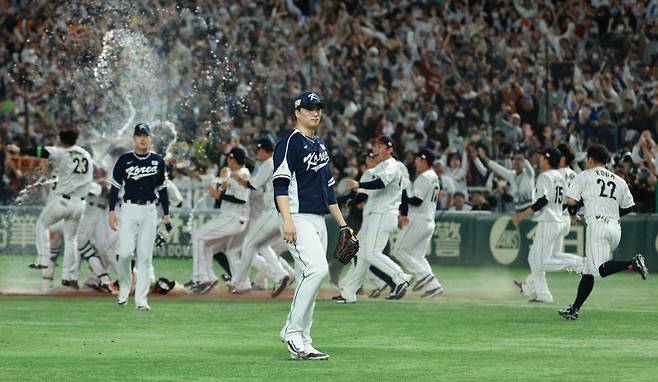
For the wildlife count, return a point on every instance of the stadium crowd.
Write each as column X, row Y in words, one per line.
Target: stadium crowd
column 455, row 76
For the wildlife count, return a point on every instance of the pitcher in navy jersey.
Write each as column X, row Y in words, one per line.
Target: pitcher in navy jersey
column 141, row 173
column 304, row 194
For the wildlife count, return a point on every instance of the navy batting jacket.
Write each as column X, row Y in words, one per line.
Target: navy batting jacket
column 302, row 171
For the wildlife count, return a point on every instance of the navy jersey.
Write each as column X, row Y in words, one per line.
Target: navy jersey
column 302, row 171
column 140, row 176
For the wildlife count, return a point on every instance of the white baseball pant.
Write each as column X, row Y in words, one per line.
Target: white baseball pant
column 214, row 235
column 602, row 238
column 137, row 225
column 411, row 246
column 59, row 208
column 309, row 252
column 373, row 236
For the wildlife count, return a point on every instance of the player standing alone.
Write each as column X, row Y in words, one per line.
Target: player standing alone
column 304, row 194
column 72, row 168
column 606, row 197
column 140, row 173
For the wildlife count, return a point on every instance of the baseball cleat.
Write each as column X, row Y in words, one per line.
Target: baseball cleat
column 122, row 302
column 568, row 313
column 280, row 286
column 296, row 351
column 93, row 286
column 226, row 278
column 433, row 292
column 71, row 284
column 36, row 265
column 377, row 292
column 639, row 266
column 519, row 285
column 144, row 308
column 313, row 354
column 206, row 287
column 399, row 291
column 189, row 284
column 420, row 284
column 538, row 300
column 341, row 300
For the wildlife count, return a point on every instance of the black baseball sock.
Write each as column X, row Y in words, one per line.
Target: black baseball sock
column 613, row 266
column 584, row 289
column 386, row 278
column 223, row 262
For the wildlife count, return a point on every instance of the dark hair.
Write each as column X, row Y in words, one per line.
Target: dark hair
column 68, row 136
column 598, row 153
column 567, row 154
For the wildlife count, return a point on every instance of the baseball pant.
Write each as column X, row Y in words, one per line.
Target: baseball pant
column 58, row 208
column 602, row 238
column 309, row 252
column 259, row 233
column 214, row 235
column 373, row 236
column 137, row 225
column 411, row 246
column 546, row 256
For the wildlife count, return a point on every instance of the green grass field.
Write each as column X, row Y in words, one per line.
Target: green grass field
column 480, row 329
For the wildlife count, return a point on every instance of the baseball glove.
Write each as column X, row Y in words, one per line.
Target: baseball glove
column 162, row 235
column 164, row 286
column 348, row 245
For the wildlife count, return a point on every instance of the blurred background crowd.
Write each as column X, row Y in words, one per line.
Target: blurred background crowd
column 509, row 77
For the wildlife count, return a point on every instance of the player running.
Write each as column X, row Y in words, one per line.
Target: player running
column 380, row 219
column 606, row 197
column 140, row 173
column 304, row 194
column 545, row 253
column 418, row 214
column 72, row 169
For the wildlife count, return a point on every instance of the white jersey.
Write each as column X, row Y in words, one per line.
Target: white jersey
column 603, row 193
column 568, row 174
column 551, row 185
column 386, row 200
column 262, row 182
column 425, row 188
column 447, row 186
column 238, row 191
column 521, row 185
column 73, row 169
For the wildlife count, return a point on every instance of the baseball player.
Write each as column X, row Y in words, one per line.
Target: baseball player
column 220, row 232
column 558, row 260
column 606, row 197
column 264, row 227
column 418, row 213
column 304, row 194
column 521, row 178
column 72, row 167
column 140, row 173
column 551, row 227
column 380, row 219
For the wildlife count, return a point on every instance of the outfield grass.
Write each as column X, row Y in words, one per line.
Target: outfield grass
column 480, row 329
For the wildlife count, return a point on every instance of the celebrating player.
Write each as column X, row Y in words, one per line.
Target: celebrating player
column 380, row 219
column 418, row 210
column 520, row 179
column 218, row 233
column 606, row 197
column 304, row 194
column 72, row 167
column 545, row 253
column 264, row 227
column 141, row 173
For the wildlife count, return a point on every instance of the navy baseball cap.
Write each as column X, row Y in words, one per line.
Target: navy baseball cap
column 385, row 140
column 265, row 144
column 308, row 100
column 553, row 155
column 142, row 129
column 238, row 154
column 427, row 155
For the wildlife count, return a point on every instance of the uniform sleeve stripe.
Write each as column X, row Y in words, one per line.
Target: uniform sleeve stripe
column 331, row 182
column 277, row 176
column 115, row 184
